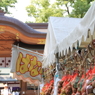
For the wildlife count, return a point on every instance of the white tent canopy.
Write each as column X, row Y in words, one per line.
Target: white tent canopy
column 63, row 33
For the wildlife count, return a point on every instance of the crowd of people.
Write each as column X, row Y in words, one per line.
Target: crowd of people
column 8, row 91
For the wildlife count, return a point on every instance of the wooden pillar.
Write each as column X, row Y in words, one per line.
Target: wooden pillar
column 23, row 86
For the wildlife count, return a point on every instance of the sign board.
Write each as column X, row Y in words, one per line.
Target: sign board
column 27, row 63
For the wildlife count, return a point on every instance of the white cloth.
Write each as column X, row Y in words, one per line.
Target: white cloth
column 5, row 92
column 14, row 93
column 41, row 86
column 17, row 93
column 63, row 33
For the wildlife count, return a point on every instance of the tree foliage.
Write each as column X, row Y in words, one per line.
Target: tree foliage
column 80, row 8
column 41, row 10
column 4, row 4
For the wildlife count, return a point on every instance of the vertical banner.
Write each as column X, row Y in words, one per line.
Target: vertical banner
column 27, row 63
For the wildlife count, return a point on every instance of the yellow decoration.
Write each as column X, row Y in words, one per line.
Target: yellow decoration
column 39, row 64
column 28, row 64
column 41, row 41
column 2, row 29
column 17, row 36
column 34, row 72
column 33, row 63
column 24, row 66
column 18, row 62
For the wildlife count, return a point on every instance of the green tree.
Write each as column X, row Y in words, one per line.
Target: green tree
column 4, row 4
column 41, row 10
column 79, row 7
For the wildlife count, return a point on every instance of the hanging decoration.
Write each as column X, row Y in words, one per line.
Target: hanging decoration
column 26, row 63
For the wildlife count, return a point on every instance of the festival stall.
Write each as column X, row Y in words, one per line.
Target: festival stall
column 72, row 39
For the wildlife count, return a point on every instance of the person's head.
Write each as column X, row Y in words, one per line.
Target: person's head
column 5, row 86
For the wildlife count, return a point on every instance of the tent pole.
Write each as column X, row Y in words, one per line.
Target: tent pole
column 56, row 73
column 57, row 62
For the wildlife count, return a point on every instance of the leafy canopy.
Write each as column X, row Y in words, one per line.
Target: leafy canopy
column 4, row 4
column 41, row 10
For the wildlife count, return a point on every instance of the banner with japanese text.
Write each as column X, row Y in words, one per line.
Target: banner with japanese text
column 26, row 63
